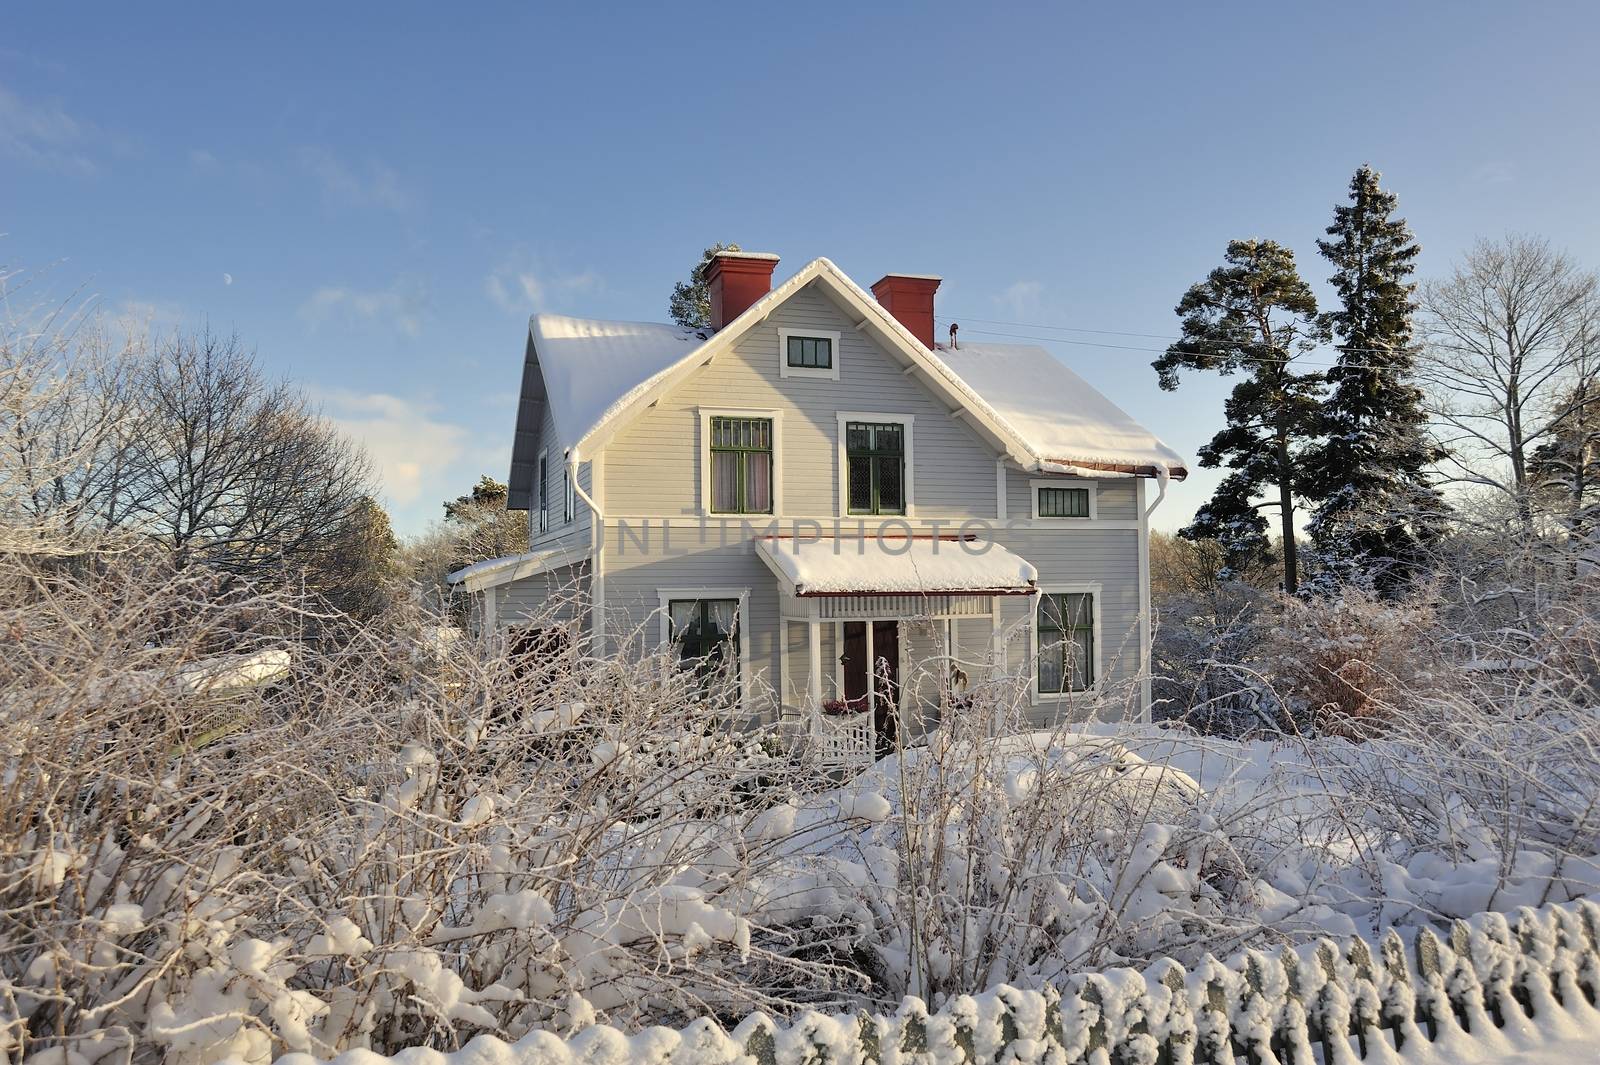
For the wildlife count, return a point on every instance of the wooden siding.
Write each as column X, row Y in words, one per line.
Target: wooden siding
column 636, row 574
column 1109, row 557
column 557, row 531
column 558, row 594
column 652, row 467
column 1115, row 498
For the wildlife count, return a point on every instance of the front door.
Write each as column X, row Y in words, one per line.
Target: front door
column 884, row 677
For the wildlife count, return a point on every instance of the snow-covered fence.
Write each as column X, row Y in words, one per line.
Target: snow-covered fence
column 1493, row 988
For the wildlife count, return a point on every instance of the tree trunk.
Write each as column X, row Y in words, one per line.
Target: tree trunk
column 1291, row 550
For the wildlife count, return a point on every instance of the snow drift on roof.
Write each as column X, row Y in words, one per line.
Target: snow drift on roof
column 492, row 571
column 591, row 366
column 1061, row 417
column 893, row 565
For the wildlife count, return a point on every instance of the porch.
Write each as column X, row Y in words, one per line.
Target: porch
column 878, row 634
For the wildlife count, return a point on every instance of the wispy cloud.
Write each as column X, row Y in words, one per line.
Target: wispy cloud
column 1021, row 298
column 402, row 305
column 412, row 450
column 1494, row 172
column 520, row 285
column 44, row 135
column 369, row 185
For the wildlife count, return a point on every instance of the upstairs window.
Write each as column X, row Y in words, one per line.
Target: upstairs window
column 808, row 353
column 875, row 467
column 1063, row 502
column 741, row 465
column 705, row 633
column 1066, row 642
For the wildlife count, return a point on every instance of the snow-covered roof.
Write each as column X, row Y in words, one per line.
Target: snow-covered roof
column 890, row 565
column 1064, row 419
column 591, row 366
column 495, row 571
column 591, row 375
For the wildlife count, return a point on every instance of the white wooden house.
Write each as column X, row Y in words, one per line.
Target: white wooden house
column 813, row 486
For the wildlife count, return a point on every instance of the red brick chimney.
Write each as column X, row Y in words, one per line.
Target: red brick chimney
column 736, row 279
column 909, row 297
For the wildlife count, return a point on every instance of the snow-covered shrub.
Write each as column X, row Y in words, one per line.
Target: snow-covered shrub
column 1483, row 790
column 1343, row 663
column 1020, row 856
column 1206, row 660
column 397, row 841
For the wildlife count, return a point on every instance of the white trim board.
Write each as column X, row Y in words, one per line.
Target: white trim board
column 785, row 370
column 842, row 466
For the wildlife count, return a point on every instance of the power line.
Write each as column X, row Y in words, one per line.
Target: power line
column 1108, row 332
column 1159, row 351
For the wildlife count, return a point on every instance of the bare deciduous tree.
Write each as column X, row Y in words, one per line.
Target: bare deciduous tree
column 65, row 413
column 232, row 471
column 1512, row 335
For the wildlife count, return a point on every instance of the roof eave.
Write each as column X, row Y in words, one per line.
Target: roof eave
column 1124, row 469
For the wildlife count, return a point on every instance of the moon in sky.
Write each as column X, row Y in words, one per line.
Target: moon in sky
column 227, row 279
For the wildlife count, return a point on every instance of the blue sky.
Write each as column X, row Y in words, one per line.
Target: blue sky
column 376, row 196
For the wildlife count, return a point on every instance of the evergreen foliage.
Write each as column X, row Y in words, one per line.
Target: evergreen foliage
column 690, row 305
column 1255, row 316
column 1564, row 471
column 1375, row 505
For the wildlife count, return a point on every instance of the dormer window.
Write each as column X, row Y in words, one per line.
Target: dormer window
column 808, row 353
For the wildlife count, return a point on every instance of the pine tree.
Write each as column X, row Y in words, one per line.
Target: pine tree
column 690, row 305
column 1564, row 471
column 1254, row 315
column 1375, row 507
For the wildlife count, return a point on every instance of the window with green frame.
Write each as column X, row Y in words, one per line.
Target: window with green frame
column 741, row 465
column 706, row 635
column 875, row 459
column 1066, row 642
column 1063, row 502
column 811, row 353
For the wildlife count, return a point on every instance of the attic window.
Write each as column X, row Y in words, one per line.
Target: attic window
column 808, row 353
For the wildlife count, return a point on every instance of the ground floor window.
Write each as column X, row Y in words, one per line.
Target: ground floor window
column 705, row 633
column 1066, row 642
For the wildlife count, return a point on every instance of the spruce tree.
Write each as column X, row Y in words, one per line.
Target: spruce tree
column 1375, row 507
column 1254, row 316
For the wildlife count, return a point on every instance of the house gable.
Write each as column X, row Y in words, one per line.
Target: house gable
column 654, row 465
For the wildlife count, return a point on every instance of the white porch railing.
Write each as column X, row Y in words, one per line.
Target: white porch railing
column 843, row 741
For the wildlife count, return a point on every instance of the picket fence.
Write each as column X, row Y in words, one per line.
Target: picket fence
column 1492, row 987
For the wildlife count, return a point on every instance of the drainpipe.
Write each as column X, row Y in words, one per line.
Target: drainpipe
column 597, row 543
column 1163, row 475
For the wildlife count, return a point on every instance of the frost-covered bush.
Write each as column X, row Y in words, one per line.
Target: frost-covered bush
column 1023, row 856
column 216, row 840
column 1344, row 664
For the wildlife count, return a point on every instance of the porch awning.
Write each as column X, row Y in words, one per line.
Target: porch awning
column 896, row 565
